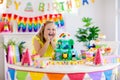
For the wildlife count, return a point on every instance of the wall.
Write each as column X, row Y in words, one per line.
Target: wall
column 110, row 20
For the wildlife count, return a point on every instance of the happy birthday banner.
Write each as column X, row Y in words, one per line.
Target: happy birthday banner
column 32, row 24
column 23, row 75
column 48, row 6
column 63, row 6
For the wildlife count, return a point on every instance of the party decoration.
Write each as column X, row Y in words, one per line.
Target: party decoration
column 9, row 3
column 21, row 75
column 4, row 15
column 85, row 1
column 77, row 76
column 31, row 24
column 6, row 28
column 13, row 51
column 36, row 27
column 12, row 73
column 10, row 55
column 19, row 19
column 52, row 76
column 29, row 7
column 17, row 53
column 17, row 4
column 108, row 74
column 92, row 1
column 9, row 16
column 69, row 5
column 36, row 75
column 35, row 20
column 23, row 27
column 98, row 60
column 41, row 7
column 26, row 58
column 95, row 75
column 78, row 3
column 15, row 17
column 30, row 27
column 56, row 6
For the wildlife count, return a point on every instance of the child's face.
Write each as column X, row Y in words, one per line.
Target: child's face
column 50, row 31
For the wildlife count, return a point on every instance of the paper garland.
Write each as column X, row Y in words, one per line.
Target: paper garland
column 53, row 76
column 108, row 74
column 76, row 76
column 56, row 6
column 12, row 73
column 36, row 75
column 32, row 24
column 22, row 75
column 85, row 2
column 95, row 75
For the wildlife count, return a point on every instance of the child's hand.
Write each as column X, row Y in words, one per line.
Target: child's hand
column 47, row 38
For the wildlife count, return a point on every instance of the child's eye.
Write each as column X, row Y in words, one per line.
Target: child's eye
column 48, row 29
column 53, row 29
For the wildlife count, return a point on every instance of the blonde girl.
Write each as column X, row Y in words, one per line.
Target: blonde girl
column 44, row 41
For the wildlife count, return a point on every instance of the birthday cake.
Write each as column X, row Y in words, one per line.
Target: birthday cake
column 65, row 48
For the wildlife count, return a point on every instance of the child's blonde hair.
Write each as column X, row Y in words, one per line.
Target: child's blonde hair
column 40, row 34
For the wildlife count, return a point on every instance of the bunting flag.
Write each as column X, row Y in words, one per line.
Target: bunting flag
column 76, row 76
column 85, row 2
column 78, row 3
column 12, row 73
column 108, row 74
column 92, row 1
column 95, row 75
column 43, row 6
column 15, row 17
column 21, row 75
column 9, row 16
column 36, row 75
column 4, row 15
column 54, row 76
